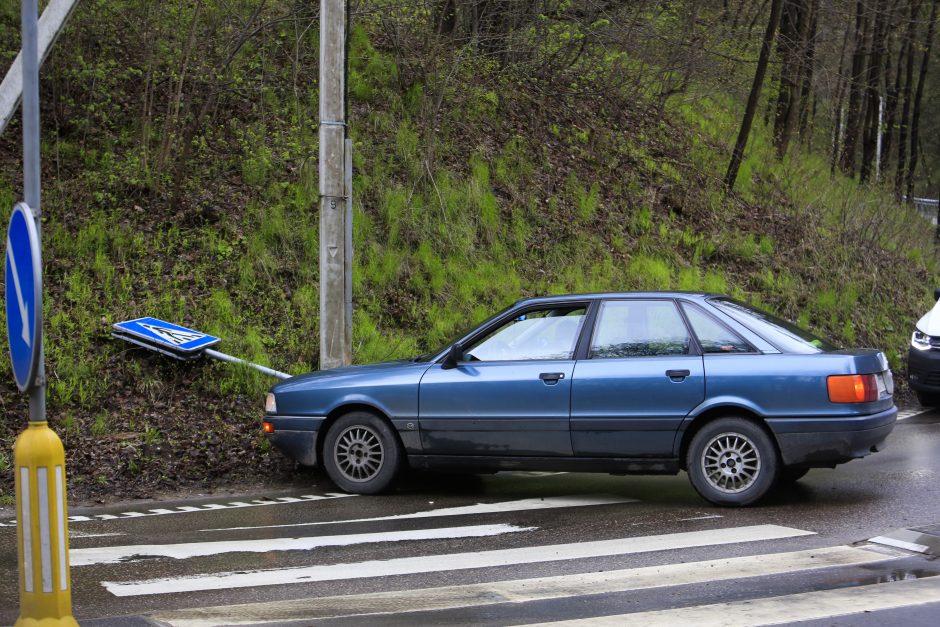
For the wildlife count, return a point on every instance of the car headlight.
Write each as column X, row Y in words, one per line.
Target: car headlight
column 270, row 404
column 920, row 340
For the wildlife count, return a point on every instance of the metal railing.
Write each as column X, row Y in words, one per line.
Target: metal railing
column 927, row 207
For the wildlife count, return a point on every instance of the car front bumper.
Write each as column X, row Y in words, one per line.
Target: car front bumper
column 825, row 442
column 296, row 436
column 923, row 370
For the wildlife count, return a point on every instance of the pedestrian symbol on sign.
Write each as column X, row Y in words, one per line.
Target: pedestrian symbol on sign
column 176, row 337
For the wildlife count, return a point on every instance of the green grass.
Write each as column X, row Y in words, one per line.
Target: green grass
column 500, row 209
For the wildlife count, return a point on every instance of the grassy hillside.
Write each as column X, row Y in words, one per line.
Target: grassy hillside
column 179, row 181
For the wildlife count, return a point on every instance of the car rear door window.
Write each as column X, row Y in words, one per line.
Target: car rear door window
column 639, row 328
column 714, row 337
column 549, row 333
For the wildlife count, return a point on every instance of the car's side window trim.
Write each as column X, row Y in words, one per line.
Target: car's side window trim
column 515, row 313
column 694, row 347
column 583, row 347
column 687, row 303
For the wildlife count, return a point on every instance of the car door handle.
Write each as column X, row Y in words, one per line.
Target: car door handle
column 677, row 374
column 551, row 378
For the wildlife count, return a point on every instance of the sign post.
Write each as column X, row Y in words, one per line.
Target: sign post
column 38, row 455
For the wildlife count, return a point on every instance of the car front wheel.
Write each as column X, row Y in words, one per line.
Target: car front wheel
column 732, row 461
column 361, row 453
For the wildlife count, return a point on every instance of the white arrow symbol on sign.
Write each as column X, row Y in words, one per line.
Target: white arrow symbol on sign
column 24, row 315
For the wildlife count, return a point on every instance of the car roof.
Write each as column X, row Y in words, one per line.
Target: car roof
column 610, row 295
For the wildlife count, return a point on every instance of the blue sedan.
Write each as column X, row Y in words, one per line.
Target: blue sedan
column 625, row 383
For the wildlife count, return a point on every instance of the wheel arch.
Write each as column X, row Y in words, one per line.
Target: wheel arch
column 714, row 413
column 338, row 412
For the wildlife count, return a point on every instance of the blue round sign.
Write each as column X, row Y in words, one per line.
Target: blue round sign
column 23, row 296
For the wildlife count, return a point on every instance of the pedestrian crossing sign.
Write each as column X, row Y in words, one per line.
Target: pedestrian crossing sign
column 165, row 334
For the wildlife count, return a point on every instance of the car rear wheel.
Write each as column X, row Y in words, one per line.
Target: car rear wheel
column 361, row 453
column 732, row 461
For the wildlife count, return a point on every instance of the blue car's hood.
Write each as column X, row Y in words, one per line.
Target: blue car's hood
column 337, row 375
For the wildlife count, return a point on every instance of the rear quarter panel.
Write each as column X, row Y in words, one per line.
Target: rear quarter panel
column 787, row 385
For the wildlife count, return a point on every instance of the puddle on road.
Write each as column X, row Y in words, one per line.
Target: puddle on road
column 895, row 574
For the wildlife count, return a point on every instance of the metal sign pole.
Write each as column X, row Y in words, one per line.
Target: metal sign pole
column 38, row 455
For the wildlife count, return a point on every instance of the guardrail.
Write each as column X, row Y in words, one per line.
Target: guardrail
column 927, row 207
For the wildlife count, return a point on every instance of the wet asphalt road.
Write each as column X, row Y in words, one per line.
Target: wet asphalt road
column 897, row 488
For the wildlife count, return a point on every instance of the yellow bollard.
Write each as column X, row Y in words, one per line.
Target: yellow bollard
column 42, row 530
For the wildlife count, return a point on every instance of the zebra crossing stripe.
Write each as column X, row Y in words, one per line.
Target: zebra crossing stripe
column 121, row 554
column 453, row 561
column 499, row 507
column 183, row 509
column 522, row 590
column 779, row 610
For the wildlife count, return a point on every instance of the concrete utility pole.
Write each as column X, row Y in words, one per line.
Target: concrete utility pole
column 335, row 221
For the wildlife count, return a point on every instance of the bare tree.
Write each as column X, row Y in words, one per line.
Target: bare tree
column 853, row 120
column 737, row 155
column 915, row 119
column 906, row 98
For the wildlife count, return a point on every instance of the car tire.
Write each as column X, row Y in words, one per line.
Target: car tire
column 361, row 453
column 732, row 462
column 929, row 399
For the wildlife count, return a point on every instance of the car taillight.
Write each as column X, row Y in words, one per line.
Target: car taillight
column 853, row 388
column 267, row 427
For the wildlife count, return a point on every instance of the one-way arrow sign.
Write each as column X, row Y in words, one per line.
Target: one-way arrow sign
column 23, row 295
column 166, row 334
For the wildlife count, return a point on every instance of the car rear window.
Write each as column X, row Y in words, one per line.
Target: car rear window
column 786, row 336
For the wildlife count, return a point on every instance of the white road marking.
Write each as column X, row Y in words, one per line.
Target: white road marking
column 900, row 544
column 705, row 517
column 118, row 554
column 521, row 590
column 910, row 413
column 454, row 561
column 184, row 509
column 784, row 609
column 82, row 534
column 550, row 502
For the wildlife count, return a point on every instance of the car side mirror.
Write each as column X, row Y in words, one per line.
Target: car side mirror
column 453, row 357
column 936, row 294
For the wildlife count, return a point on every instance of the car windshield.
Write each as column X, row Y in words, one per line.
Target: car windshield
column 784, row 335
column 463, row 333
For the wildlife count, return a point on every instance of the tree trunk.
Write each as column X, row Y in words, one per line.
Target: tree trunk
column 854, row 115
column 838, row 108
column 872, row 91
column 906, row 98
column 915, row 120
column 807, row 70
column 790, row 50
column 738, row 153
column 891, row 106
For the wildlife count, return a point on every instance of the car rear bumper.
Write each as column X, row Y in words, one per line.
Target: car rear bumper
column 825, row 442
column 923, row 370
column 296, row 436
